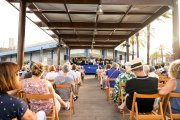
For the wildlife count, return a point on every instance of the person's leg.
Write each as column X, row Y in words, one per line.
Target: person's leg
column 41, row 115
column 62, row 102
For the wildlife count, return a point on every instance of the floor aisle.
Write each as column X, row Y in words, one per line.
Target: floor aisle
column 92, row 104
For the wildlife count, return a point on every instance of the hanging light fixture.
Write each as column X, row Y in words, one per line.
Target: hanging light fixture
column 93, row 41
column 92, row 46
column 99, row 11
column 95, row 32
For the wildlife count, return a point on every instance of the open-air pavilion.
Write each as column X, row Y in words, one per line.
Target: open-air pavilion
column 98, row 24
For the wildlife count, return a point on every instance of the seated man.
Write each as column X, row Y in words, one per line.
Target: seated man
column 141, row 84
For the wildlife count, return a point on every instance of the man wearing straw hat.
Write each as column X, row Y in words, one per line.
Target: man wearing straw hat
column 141, row 84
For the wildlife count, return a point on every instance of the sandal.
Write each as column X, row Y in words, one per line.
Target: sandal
column 67, row 107
column 75, row 98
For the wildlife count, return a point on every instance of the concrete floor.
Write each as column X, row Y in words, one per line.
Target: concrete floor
column 92, row 104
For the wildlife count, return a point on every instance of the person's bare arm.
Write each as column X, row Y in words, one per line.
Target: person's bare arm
column 169, row 86
column 29, row 115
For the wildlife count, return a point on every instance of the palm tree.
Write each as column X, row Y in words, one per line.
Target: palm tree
column 139, row 42
column 166, row 15
column 148, row 42
column 154, row 57
column 132, row 42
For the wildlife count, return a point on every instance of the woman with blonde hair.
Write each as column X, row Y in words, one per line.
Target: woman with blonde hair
column 36, row 85
column 52, row 73
column 173, row 85
column 12, row 107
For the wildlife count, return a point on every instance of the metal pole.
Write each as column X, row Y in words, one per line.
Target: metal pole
column 58, row 55
column 176, row 39
column 127, row 49
column 137, row 40
column 21, row 33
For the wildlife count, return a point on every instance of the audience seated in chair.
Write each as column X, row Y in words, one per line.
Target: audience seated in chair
column 11, row 107
column 173, row 85
column 35, row 85
column 122, row 78
column 141, row 84
column 65, row 79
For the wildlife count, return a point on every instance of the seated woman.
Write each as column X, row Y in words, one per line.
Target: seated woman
column 173, row 85
column 51, row 74
column 36, row 85
column 12, row 107
column 122, row 78
column 65, row 79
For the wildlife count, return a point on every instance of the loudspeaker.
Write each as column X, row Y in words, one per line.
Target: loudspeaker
column 120, row 57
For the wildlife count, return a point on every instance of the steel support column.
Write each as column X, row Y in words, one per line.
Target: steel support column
column 176, row 39
column 58, row 55
column 67, row 53
column 52, row 52
column 127, row 50
column 86, row 53
column 21, row 33
column 137, row 40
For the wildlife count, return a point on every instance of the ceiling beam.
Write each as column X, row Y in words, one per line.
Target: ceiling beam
column 91, row 25
column 79, row 12
column 61, row 1
column 138, row 2
column 113, row 37
column 71, row 43
column 152, row 18
column 43, row 19
column 111, row 2
column 89, row 47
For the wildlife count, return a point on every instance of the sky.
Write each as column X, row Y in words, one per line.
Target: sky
column 9, row 29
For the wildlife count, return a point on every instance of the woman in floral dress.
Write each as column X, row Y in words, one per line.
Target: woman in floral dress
column 122, row 78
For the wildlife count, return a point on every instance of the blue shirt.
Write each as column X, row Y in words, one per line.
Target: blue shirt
column 112, row 73
column 11, row 107
column 175, row 102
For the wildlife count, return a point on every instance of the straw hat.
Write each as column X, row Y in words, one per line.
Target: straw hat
column 128, row 66
column 136, row 63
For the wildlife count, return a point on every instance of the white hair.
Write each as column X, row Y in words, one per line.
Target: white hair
column 146, row 69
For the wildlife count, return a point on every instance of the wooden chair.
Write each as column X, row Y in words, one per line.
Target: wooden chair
column 67, row 86
column 121, row 98
column 15, row 93
column 146, row 116
column 54, row 114
column 168, row 105
column 110, row 90
column 51, row 81
column 163, row 79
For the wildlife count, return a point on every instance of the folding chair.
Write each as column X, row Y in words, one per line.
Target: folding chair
column 15, row 93
column 110, row 90
column 51, row 81
column 54, row 114
column 146, row 116
column 171, row 115
column 67, row 86
column 121, row 97
column 163, row 79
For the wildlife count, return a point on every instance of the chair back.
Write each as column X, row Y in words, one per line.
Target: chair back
column 54, row 114
column 68, row 86
column 146, row 116
column 110, row 90
column 167, row 104
column 121, row 97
